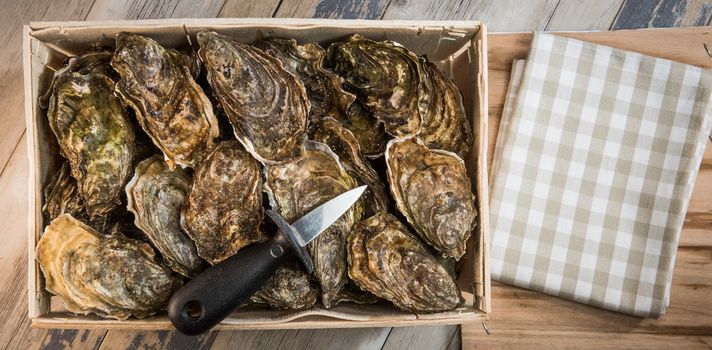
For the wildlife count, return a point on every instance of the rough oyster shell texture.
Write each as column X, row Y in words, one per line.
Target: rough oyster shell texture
column 433, row 192
column 62, row 196
column 155, row 196
column 289, row 288
column 110, row 276
column 344, row 144
column 323, row 87
column 385, row 76
column 266, row 105
column 327, row 97
column 299, row 186
column 224, row 208
column 93, row 130
column 444, row 122
column 170, row 106
column 390, row 262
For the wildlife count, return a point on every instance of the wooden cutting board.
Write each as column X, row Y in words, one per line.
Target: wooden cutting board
column 522, row 318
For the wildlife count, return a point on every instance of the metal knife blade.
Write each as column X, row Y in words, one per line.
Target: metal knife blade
column 313, row 223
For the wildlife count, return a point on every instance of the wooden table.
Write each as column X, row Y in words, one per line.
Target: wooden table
column 520, row 318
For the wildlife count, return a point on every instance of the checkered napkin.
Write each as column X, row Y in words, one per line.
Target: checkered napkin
column 595, row 171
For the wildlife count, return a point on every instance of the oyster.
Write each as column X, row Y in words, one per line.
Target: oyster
column 155, row 196
column 433, row 192
column 344, row 144
column 445, row 125
column 385, row 76
column 224, row 207
column 323, row 87
column 289, row 288
column 369, row 132
column 110, row 276
column 92, row 129
column 390, row 262
column 170, row 106
column 301, row 185
column 266, row 105
column 62, row 196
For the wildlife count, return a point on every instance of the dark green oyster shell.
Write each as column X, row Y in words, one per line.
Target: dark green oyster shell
column 92, row 129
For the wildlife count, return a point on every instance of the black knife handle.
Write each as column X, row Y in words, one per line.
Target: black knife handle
column 214, row 294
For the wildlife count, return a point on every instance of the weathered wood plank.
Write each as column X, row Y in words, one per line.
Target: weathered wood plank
column 507, row 15
column 249, row 8
column 140, row 9
column 346, row 9
column 599, row 15
column 347, row 339
column 663, row 13
column 14, row 15
column 119, row 340
column 73, row 339
column 14, row 324
column 293, row 339
column 431, row 337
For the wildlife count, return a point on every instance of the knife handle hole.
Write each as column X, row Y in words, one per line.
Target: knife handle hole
column 193, row 310
column 276, row 250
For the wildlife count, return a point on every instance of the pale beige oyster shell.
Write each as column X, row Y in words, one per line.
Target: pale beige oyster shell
column 111, row 276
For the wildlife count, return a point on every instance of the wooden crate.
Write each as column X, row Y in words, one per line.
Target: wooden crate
column 459, row 48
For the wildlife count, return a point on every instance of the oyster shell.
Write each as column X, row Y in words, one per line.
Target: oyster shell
column 344, row 144
column 323, row 87
column 62, row 195
column 155, row 196
column 289, row 288
column 170, row 106
column 445, row 125
column 301, row 185
column 369, row 132
column 110, row 276
column 433, row 192
column 224, row 207
column 390, row 262
column 92, row 129
column 266, row 105
column 385, row 76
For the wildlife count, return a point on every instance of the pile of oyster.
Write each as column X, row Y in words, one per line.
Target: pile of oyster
column 157, row 184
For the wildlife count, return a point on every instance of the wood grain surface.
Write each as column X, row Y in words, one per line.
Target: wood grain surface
column 520, row 318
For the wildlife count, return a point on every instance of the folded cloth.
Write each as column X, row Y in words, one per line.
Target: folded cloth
column 596, row 168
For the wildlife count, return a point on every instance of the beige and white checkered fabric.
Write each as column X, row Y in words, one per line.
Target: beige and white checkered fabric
column 595, row 172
